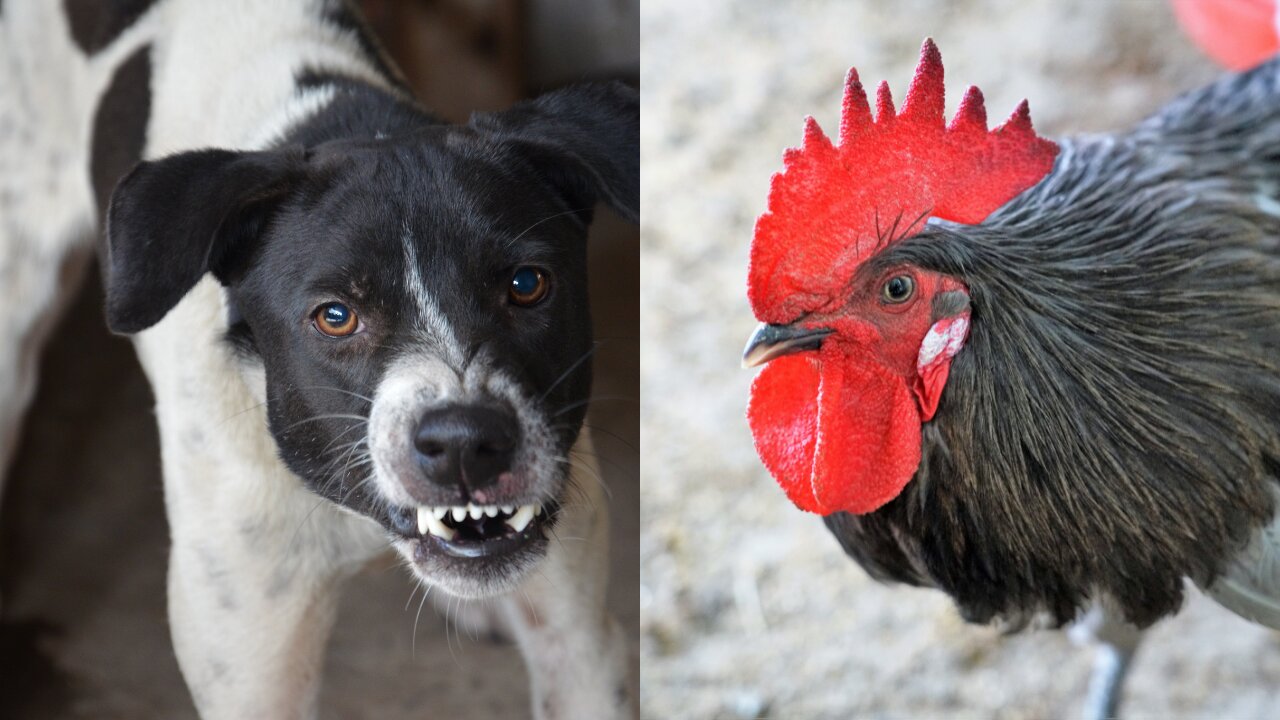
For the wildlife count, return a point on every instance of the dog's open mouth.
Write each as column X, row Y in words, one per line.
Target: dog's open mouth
column 474, row 530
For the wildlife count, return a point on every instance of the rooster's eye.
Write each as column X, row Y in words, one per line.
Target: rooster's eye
column 898, row 289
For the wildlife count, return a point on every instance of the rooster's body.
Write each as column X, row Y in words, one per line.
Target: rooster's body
column 1111, row 422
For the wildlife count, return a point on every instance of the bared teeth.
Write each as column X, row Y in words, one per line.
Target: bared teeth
column 429, row 522
column 432, row 520
column 521, row 519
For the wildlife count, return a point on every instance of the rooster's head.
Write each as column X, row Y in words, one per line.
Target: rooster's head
column 858, row 351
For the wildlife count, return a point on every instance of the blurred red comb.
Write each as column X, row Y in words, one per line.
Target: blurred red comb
column 834, row 205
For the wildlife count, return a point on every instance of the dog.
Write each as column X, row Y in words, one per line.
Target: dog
column 363, row 327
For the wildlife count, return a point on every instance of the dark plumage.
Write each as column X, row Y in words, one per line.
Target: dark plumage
column 1110, row 426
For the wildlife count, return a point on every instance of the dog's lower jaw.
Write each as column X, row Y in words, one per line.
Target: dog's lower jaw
column 472, row 578
column 474, row 571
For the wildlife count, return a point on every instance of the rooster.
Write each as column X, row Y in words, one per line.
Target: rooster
column 1035, row 376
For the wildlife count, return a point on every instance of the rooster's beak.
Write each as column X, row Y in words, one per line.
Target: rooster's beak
column 772, row 341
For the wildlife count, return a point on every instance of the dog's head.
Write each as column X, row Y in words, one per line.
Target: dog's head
column 417, row 304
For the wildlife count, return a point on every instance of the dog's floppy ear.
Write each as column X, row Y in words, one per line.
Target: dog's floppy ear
column 584, row 139
column 172, row 220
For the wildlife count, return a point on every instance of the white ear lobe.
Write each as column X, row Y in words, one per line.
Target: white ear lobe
column 943, row 341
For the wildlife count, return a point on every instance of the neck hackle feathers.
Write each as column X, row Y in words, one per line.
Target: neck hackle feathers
column 833, row 206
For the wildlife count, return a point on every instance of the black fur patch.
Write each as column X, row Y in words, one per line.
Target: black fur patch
column 1110, row 426
column 96, row 23
column 359, row 111
column 120, row 126
column 173, row 220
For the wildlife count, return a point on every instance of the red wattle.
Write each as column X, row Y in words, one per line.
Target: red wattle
column 837, row 433
column 783, row 421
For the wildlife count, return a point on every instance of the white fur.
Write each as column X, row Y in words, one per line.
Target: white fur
column 432, row 323
column 406, row 389
column 256, row 557
column 46, row 206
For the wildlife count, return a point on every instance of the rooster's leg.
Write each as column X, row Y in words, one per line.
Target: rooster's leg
column 1116, row 641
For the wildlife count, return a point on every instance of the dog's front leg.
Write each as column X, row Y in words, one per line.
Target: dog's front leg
column 252, row 591
column 575, row 651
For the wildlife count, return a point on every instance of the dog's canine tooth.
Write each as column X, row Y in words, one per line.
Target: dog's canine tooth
column 491, row 510
column 434, row 525
column 458, row 513
column 428, row 522
column 521, row 519
column 440, row 512
column 474, row 511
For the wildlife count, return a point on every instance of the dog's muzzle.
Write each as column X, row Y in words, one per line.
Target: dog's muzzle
column 471, row 499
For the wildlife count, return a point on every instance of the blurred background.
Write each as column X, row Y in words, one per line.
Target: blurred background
column 748, row 607
column 83, row 539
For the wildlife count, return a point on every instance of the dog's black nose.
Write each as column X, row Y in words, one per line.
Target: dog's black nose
column 467, row 445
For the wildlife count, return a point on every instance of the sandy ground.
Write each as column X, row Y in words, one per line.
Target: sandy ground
column 748, row 607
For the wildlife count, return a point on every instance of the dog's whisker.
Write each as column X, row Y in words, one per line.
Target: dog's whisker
column 365, row 398
column 334, row 416
column 447, row 637
column 590, row 472
column 596, row 456
column 576, row 363
column 587, row 401
column 352, row 490
column 413, row 641
column 342, row 463
column 294, row 538
column 342, row 434
column 416, row 587
column 609, row 433
column 549, row 218
column 235, row 415
column 533, row 610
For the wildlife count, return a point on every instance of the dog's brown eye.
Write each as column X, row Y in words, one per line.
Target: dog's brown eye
column 528, row 286
column 336, row 320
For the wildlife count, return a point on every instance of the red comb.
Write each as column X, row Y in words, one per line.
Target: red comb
column 832, row 206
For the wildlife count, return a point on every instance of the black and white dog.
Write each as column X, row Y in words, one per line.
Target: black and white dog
column 333, row 294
